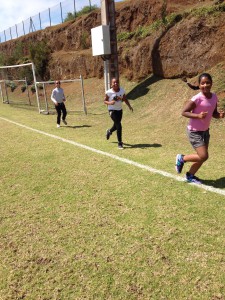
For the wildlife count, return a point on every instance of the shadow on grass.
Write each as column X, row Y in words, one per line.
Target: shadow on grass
column 78, row 126
column 142, row 146
column 218, row 183
column 142, row 88
column 98, row 114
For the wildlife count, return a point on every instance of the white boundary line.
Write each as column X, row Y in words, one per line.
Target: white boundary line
column 125, row 160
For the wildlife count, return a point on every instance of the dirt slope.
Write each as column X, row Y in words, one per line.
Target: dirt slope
column 191, row 45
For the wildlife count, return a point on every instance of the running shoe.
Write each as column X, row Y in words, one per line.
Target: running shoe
column 192, row 178
column 64, row 121
column 120, row 146
column 108, row 133
column 179, row 163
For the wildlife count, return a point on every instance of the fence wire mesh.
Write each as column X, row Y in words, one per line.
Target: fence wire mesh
column 49, row 17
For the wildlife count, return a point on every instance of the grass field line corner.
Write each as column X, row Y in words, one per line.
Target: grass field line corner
column 116, row 157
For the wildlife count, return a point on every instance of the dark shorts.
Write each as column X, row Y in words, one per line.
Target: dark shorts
column 198, row 138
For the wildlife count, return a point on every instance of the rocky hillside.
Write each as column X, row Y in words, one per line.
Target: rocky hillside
column 168, row 38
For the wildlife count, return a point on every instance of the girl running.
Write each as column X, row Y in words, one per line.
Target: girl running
column 200, row 110
column 114, row 98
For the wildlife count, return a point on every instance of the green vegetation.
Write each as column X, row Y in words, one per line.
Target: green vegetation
column 23, row 88
column 11, row 85
column 88, row 226
column 170, row 20
column 39, row 53
column 208, row 11
column 85, row 10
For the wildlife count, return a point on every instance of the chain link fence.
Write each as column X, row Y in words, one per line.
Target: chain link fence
column 49, row 17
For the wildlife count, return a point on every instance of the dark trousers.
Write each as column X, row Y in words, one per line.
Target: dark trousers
column 116, row 116
column 61, row 108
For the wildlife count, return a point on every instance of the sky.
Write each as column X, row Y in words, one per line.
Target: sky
column 15, row 11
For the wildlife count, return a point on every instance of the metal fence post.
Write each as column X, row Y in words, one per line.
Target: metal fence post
column 49, row 14
column 61, row 11
column 40, row 20
column 74, row 8
column 16, row 31
column 23, row 28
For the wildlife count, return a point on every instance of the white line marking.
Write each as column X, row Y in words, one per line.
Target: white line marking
column 125, row 160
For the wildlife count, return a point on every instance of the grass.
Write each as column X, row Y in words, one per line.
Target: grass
column 78, row 225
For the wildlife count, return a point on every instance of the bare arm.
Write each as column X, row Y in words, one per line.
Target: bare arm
column 187, row 111
column 218, row 114
column 127, row 102
column 106, row 100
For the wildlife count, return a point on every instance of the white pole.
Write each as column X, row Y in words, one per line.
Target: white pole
column 46, row 102
column 6, row 92
column 28, row 94
column 35, row 84
column 83, row 99
column 1, row 92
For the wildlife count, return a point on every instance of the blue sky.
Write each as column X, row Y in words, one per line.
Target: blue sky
column 15, row 11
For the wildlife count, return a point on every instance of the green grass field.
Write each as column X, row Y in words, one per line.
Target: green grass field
column 77, row 224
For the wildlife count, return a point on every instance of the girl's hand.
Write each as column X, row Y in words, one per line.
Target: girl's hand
column 202, row 115
column 221, row 114
column 112, row 102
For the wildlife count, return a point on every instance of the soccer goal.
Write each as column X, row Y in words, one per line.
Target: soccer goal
column 18, row 85
column 74, row 94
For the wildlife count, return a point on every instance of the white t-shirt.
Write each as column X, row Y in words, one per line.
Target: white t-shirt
column 58, row 95
column 119, row 96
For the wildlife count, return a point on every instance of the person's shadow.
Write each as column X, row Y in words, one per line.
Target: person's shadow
column 218, row 183
column 142, row 88
column 141, row 146
column 78, row 126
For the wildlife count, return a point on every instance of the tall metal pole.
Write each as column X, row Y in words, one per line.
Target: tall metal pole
column 111, row 69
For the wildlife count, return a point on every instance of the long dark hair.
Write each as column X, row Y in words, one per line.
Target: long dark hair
column 204, row 75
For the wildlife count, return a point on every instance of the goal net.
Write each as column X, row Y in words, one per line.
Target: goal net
column 17, row 85
column 73, row 91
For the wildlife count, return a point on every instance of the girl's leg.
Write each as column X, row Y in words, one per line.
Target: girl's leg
column 63, row 107
column 116, row 116
column 198, row 159
column 58, row 109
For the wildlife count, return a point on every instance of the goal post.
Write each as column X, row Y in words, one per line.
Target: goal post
column 4, row 82
column 73, row 90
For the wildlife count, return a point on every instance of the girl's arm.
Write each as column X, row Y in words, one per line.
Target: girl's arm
column 187, row 111
column 127, row 102
column 106, row 100
column 218, row 114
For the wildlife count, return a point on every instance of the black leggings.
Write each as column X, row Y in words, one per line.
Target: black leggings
column 60, row 107
column 116, row 116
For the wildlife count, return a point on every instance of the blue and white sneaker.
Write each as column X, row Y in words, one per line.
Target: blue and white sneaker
column 179, row 163
column 192, row 178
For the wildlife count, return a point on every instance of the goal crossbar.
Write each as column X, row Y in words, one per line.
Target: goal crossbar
column 34, row 77
column 63, row 81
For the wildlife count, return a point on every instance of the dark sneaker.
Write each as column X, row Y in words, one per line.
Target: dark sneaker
column 120, row 146
column 179, row 163
column 192, row 178
column 64, row 121
column 108, row 133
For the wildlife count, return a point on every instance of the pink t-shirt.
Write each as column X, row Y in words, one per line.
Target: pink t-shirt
column 202, row 104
